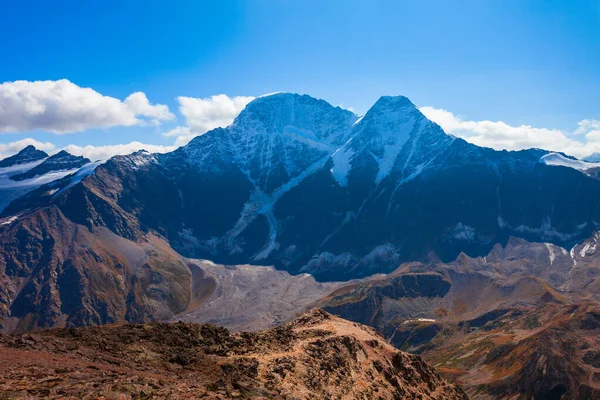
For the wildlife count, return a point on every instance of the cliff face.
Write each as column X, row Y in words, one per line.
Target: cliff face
column 57, row 273
column 316, row 356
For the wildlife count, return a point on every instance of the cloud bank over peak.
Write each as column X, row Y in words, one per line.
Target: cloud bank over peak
column 203, row 114
column 95, row 153
column 582, row 142
column 63, row 107
column 8, row 149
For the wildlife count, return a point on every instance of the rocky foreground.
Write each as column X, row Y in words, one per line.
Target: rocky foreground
column 317, row 356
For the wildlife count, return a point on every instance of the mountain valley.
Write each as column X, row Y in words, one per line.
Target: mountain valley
column 482, row 262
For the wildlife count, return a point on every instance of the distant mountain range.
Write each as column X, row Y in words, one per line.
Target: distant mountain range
column 32, row 168
column 461, row 231
column 27, row 155
column 61, row 161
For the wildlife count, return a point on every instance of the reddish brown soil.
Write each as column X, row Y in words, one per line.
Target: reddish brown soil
column 317, row 356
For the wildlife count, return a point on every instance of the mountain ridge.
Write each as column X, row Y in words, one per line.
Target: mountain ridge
column 282, row 205
column 253, row 170
column 385, row 220
column 60, row 161
column 315, row 356
column 27, row 154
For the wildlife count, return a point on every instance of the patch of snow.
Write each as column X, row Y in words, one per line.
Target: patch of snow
column 501, row 222
column 464, row 232
column 9, row 220
column 358, row 120
column 6, row 183
column 17, row 169
column 262, row 203
column 341, row 164
column 140, row 159
column 269, row 94
column 590, row 247
column 408, row 321
column 306, row 137
column 546, row 231
column 556, row 159
column 551, row 255
column 386, row 163
column 584, row 250
column 79, row 175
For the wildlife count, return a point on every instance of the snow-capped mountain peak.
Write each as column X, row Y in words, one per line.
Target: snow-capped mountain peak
column 27, row 155
column 393, row 134
column 557, row 159
column 299, row 183
column 61, row 161
column 390, row 121
column 279, row 112
column 274, row 139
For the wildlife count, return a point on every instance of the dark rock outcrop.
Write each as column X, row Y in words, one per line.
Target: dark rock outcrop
column 316, row 356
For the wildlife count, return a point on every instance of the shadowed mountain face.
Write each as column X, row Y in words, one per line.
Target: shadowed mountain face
column 308, row 187
column 299, row 184
column 486, row 255
column 27, row 155
column 61, row 161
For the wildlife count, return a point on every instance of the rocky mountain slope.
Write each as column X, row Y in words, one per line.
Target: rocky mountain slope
column 59, row 273
column 440, row 242
column 547, row 352
column 519, row 322
column 308, row 187
column 314, row 357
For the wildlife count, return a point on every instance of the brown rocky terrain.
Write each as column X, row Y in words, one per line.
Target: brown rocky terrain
column 521, row 322
column 317, row 356
column 55, row 272
column 549, row 352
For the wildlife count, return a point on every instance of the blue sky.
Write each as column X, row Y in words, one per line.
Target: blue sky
column 524, row 63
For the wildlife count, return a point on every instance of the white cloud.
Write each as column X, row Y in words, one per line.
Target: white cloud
column 183, row 135
column 205, row 114
column 63, row 107
column 212, row 112
column 95, row 153
column 8, row 149
column 138, row 103
column 582, row 142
